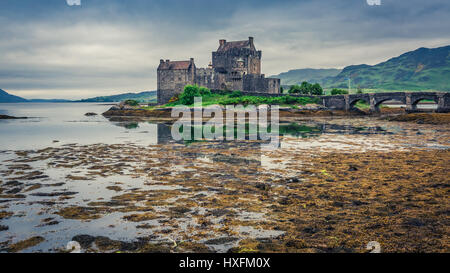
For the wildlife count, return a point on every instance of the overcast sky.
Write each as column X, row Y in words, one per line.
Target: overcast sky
column 49, row 49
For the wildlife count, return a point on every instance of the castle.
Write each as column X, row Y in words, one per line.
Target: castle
column 235, row 66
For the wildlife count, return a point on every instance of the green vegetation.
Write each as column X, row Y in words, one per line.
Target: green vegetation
column 298, row 130
column 190, row 92
column 236, row 94
column 257, row 100
column 306, row 89
column 336, row 91
column 131, row 102
column 361, row 104
column 422, row 69
column 234, row 98
column 359, row 90
column 297, row 76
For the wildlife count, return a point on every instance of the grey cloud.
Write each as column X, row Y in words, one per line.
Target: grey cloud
column 111, row 48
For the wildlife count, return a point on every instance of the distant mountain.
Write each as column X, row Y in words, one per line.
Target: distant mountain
column 49, row 100
column 7, row 98
column 147, row 96
column 421, row 69
column 297, row 76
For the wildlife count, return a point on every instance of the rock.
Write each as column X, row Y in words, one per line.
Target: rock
column 85, row 241
column 53, row 194
column 221, row 241
column 359, row 203
column 114, row 108
column 310, row 230
column 90, row 114
column 413, row 222
column 263, row 186
column 10, row 117
column 221, row 212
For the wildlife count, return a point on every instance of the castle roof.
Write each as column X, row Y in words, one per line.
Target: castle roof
column 225, row 46
column 174, row 65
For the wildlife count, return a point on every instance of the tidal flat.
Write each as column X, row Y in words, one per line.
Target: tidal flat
column 333, row 185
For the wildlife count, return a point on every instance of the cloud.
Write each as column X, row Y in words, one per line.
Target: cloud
column 73, row 2
column 106, row 47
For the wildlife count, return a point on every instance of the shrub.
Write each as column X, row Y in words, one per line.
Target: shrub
column 131, row 102
column 236, row 94
column 204, row 91
column 189, row 93
column 256, row 100
column 294, row 89
column 336, row 91
column 306, row 89
column 174, row 99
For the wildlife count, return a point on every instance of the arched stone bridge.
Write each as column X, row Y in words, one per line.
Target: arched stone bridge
column 410, row 99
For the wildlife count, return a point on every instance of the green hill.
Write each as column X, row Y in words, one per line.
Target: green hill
column 148, row 97
column 297, row 76
column 7, row 98
column 422, row 69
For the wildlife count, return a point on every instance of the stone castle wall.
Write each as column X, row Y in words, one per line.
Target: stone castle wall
column 235, row 66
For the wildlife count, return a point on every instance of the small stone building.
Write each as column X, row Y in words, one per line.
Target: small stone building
column 173, row 76
column 235, row 66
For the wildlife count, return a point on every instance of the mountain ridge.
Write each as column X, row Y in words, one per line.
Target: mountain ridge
column 420, row 69
column 8, row 98
column 297, row 76
column 145, row 96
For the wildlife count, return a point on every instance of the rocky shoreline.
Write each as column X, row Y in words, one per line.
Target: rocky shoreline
column 119, row 112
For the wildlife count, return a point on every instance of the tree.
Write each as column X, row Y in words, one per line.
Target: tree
column 189, row 93
column 336, row 91
column 316, row 89
column 305, row 88
column 294, row 89
column 204, row 91
column 131, row 102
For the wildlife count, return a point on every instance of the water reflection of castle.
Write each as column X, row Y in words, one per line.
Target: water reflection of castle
column 164, row 131
column 250, row 153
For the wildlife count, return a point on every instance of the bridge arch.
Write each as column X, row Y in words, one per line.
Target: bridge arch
column 353, row 99
column 420, row 96
column 380, row 98
column 435, row 99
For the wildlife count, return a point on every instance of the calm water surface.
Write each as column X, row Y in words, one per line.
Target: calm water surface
column 66, row 123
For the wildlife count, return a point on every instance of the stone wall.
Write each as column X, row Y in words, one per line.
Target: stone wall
column 205, row 77
column 258, row 83
column 172, row 82
column 228, row 61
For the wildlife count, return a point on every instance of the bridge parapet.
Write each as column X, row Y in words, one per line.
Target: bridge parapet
column 347, row 102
